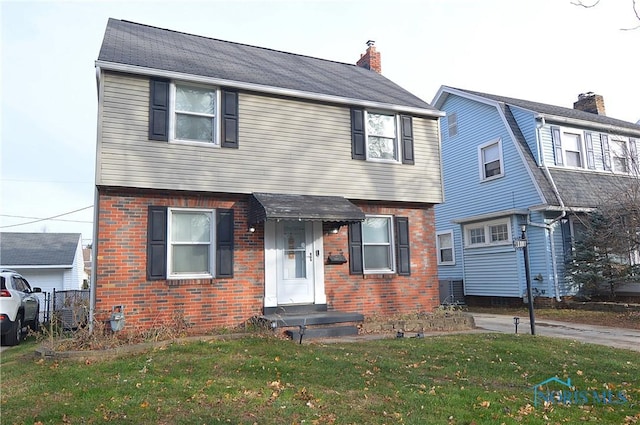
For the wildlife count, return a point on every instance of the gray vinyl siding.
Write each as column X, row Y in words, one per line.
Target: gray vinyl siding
column 293, row 146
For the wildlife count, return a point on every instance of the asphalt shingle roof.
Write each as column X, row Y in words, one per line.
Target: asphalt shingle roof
column 577, row 189
column 587, row 189
column 559, row 111
column 150, row 47
column 38, row 249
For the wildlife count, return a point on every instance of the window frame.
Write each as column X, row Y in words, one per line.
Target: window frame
column 629, row 153
column 486, row 227
column 212, row 244
column 481, row 163
column 396, row 139
column 217, row 125
column 440, row 248
column 390, row 245
column 581, row 148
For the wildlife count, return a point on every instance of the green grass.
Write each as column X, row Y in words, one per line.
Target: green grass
column 455, row 379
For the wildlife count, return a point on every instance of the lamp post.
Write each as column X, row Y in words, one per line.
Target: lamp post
column 522, row 243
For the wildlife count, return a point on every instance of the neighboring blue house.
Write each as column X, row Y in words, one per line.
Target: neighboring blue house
column 509, row 162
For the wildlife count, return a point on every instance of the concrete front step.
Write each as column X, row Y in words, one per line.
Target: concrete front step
column 321, row 332
column 311, row 318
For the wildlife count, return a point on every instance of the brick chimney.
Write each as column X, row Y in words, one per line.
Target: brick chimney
column 590, row 102
column 371, row 59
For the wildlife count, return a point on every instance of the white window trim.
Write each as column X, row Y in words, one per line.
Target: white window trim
column 631, row 161
column 212, row 245
column 582, row 147
column 217, row 132
column 453, row 248
column 497, row 141
column 392, row 249
column 487, row 233
column 396, row 118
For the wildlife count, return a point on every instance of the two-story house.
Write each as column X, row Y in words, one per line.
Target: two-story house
column 235, row 181
column 508, row 163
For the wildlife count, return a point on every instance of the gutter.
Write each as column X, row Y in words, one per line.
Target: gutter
column 278, row 91
column 610, row 128
column 550, row 226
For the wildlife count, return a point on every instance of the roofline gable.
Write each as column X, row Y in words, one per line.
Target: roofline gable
column 445, row 91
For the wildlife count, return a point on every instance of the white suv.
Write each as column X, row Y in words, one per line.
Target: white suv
column 19, row 307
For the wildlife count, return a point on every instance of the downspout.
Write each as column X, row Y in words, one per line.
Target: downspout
column 94, row 246
column 550, row 226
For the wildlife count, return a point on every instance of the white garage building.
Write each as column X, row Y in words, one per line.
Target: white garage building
column 51, row 261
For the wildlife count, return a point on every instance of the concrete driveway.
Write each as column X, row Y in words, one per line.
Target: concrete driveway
column 603, row 335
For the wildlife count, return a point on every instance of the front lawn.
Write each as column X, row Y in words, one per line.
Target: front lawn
column 449, row 379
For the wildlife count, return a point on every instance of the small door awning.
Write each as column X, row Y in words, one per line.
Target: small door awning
column 276, row 206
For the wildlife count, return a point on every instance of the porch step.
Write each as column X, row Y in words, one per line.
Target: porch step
column 286, row 320
column 322, row 332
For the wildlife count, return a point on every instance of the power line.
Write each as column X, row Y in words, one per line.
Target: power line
column 48, row 218
column 38, row 218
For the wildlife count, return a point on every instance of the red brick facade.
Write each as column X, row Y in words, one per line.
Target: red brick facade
column 121, row 250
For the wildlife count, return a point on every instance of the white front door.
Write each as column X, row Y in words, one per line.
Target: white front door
column 295, row 262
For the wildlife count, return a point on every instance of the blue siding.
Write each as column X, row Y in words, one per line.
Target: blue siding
column 492, row 271
column 528, row 127
column 547, row 145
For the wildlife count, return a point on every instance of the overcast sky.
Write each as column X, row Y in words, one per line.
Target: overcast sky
column 541, row 50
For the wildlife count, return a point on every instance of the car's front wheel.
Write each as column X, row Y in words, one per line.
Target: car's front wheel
column 15, row 335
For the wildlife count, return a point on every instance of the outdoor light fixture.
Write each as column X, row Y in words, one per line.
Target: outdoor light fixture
column 252, row 229
column 334, row 231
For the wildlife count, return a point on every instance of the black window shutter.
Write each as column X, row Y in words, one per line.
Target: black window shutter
column 224, row 243
column 157, row 243
column 159, row 109
column 358, row 145
column 402, row 246
column 355, row 248
column 229, row 119
column 407, row 139
column 557, row 146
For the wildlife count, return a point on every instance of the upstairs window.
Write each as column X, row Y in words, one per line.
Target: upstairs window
column 623, row 154
column 495, row 232
column 382, row 138
column 572, row 149
column 490, row 158
column 620, row 155
column 568, row 148
column 185, row 112
column 194, row 113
